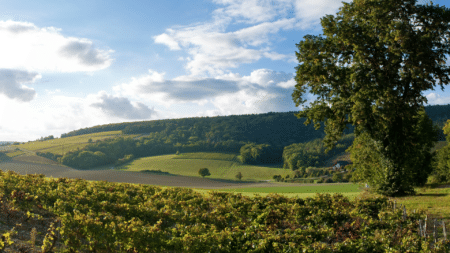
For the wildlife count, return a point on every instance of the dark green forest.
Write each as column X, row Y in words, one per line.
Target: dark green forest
column 269, row 138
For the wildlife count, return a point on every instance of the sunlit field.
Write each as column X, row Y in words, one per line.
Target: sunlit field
column 219, row 169
column 63, row 145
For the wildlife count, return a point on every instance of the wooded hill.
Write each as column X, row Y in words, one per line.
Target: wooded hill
column 260, row 138
column 275, row 128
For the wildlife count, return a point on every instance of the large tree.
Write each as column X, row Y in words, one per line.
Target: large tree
column 370, row 70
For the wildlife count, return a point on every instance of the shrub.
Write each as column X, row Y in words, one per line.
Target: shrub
column 204, row 172
column 239, row 175
column 328, row 180
column 277, row 178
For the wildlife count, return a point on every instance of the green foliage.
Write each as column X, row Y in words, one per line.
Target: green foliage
column 278, row 178
column 253, row 153
column 124, row 160
column 152, row 219
column 85, row 159
column 328, row 180
column 49, row 155
column 204, row 172
column 374, row 168
column 316, row 172
column 312, row 154
column 370, row 71
column 441, row 172
column 50, row 137
column 337, row 177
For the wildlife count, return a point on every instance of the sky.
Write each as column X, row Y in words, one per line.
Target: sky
column 66, row 65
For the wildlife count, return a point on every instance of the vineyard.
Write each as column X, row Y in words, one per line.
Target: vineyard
column 74, row 215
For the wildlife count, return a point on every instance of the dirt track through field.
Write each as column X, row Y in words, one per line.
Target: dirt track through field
column 57, row 171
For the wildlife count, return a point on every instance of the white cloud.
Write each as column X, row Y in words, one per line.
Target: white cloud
column 214, row 50
column 57, row 114
column 267, row 77
column 310, row 12
column 288, row 84
column 261, row 91
column 167, row 40
column 51, row 115
column 12, row 84
column 179, row 90
column 436, row 99
column 121, row 107
column 27, row 47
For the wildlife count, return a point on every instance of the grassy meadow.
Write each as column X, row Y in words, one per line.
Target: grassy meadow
column 220, row 165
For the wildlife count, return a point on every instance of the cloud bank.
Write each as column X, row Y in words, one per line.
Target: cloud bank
column 122, row 107
column 261, row 91
column 12, row 84
column 214, row 50
column 28, row 47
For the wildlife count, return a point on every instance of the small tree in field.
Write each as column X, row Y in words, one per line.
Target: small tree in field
column 204, row 172
column 239, row 175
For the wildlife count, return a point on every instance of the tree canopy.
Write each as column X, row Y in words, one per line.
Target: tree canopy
column 377, row 58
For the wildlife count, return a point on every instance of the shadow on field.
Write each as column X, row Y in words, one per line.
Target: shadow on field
column 158, row 172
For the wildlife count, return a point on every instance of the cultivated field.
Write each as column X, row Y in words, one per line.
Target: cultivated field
column 64, row 145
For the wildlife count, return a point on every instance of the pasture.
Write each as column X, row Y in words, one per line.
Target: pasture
column 221, row 166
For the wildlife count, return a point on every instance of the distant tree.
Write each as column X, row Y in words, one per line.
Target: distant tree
column 204, row 172
column 239, row 175
column 90, row 140
column 277, row 178
column 370, row 71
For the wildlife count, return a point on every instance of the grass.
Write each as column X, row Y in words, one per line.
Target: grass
column 434, row 201
column 327, row 188
column 221, row 166
column 14, row 153
column 64, row 145
column 350, row 195
column 208, row 155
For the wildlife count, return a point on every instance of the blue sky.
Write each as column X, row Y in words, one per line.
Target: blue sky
column 66, row 66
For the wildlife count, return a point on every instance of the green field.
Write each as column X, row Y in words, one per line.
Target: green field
column 207, row 155
column 63, row 145
column 221, row 167
column 328, row 188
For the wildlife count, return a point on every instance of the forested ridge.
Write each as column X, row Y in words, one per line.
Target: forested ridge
column 273, row 127
column 259, row 138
